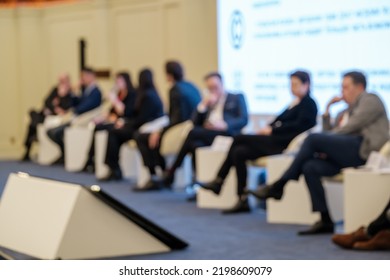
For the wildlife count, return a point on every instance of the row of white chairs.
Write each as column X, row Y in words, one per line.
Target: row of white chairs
column 355, row 197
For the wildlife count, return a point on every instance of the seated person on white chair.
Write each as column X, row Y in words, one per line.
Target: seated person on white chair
column 91, row 98
column 58, row 102
column 122, row 99
column 148, row 107
column 273, row 139
column 375, row 237
column 219, row 113
column 360, row 129
column 183, row 99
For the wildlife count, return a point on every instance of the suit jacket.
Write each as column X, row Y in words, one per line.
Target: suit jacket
column 368, row 118
column 235, row 114
column 148, row 108
column 65, row 102
column 129, row 102
column 90, row 99
column 183, row 99
column 293, row 121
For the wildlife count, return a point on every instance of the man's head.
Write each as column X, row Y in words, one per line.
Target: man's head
column 174, row 71
column 354, row 83
column 64, row 79
column 214, row 84
column 64, row 85
column 87, row 76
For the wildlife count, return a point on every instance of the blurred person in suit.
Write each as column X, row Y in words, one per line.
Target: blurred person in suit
column 58, row 102
column 122, row 101
column 148, row 107
column 219, row 113
column 183, row 99
column 360, row 129
column 272, row 139
column 91, row 98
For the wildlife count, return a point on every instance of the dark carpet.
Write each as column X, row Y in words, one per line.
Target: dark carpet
column 210, row 234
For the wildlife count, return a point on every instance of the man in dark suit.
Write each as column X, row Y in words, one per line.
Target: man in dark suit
column 58, row 102
column 219, row 113
column 363, row 127
column 273, row 139
column 91, row 98
column 183, row 99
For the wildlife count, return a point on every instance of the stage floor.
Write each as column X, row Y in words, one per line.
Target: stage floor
column 210, row 234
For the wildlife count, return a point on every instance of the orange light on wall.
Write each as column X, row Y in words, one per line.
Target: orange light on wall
column 35, row 3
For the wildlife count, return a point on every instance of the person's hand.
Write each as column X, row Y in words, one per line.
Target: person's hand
column 56, row 101
column 119, row 123
column 154, row 140
column 46, row 112
column 216, row 125
column 112, row 118
column 59, row 111
column 267, row 130
column 334, row 100
column 113, row 97
column 209, row 100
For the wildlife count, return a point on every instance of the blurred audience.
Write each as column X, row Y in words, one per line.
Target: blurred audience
column 122, row 101
column 272, row 139
column 148, row 107
column 183, row 99
column 90, row 99
column 360, row 129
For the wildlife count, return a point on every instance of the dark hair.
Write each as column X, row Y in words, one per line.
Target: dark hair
column 126, row 76
column 88, row 70
column 175, row 69
column 357, row 78
column 303, row 76
column 145, row 80
column 213, row 75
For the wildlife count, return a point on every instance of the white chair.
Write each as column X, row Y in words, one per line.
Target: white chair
column 48, row 151
column 129, row 157
column 366, row 192
column 171, row 143
column 295, row 206
column 208, row 162
column 210, row 159
column 78, row 139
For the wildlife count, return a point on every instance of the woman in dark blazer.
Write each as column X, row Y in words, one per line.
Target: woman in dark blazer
column 272, row 139
column 122, row 99
column 148, row 107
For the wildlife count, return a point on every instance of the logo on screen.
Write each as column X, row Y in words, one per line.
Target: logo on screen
column 237, row 29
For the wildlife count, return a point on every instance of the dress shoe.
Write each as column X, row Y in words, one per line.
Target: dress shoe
column 114, row 175
column 242, row 206
column 26, row 157
column 266, row 191
column 348, row 240
column 191, row 191
column 381, row 241
column 318, row 228
column 60, row 161
column 168, row 179
column 213, row 186
column 151, row 185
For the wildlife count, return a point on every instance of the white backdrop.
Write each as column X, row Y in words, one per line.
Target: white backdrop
column 261, row 41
